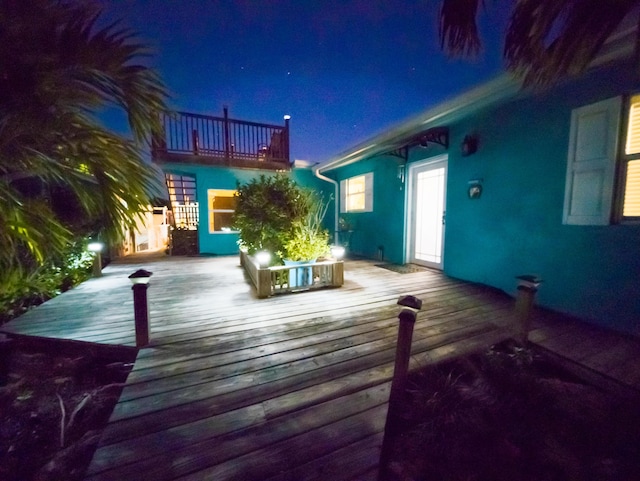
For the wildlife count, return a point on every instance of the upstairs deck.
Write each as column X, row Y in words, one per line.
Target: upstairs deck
column 207, row 140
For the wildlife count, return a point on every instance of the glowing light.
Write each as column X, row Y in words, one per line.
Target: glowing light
column 95, row 246
column 263, row 258
column 337, row 252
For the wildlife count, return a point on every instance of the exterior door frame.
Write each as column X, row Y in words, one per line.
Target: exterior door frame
column 412, row 169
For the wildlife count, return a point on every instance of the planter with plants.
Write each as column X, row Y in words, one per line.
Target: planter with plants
column 275, row 215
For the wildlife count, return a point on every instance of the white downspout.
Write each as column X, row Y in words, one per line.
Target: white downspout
column 316, row 172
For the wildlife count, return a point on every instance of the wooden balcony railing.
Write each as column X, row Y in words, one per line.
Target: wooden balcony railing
column 204, row 139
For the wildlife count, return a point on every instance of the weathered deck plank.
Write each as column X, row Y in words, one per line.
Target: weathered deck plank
column 286, row 388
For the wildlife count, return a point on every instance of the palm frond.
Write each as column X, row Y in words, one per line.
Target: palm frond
column 458, row 28
column 550, row 39
column 52, row 90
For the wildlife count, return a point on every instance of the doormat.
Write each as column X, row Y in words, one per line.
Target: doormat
column 405, row 269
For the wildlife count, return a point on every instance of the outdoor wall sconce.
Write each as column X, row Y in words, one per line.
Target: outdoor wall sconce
column 469, row 145
column 96, row 248
column 140, row 280
column 401, row 173
column 474, row 190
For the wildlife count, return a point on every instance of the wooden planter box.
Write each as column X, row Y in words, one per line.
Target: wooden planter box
column 275, row 280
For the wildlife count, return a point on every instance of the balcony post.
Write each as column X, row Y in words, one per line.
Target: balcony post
column 286, row 138
column 227, row 141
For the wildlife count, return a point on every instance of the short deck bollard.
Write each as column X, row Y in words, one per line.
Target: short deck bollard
column 527, row 289
column 407, row 318
column 140, row 280
column 96, row 248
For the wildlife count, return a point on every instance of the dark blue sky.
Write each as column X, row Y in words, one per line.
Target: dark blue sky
column 343, row 70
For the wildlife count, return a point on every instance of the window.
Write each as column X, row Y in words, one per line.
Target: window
column 222, row 205
column 593, row 169
column 631, row 163
column 356, row 194
column 182, row 193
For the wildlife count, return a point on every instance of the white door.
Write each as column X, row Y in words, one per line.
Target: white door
column 426, row 209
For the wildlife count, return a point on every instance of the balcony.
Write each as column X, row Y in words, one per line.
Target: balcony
column 222, row 141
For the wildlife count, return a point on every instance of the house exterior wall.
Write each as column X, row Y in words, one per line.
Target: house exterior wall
column 377, row 234
column 516, row 226
column 210, row 177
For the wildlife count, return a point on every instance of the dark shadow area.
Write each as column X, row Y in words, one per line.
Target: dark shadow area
column 508, row 414
column 56, row 398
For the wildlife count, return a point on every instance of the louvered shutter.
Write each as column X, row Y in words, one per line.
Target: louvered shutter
column 591, row 163
column 368, row 192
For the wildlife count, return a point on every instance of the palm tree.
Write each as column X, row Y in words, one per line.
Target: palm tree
column 58, row 71
column 545, row 39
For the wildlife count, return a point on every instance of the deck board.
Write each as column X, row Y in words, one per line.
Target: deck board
column 287, row 388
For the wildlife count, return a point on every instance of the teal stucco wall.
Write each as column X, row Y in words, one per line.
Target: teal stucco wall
column 377, row 234
column 208, row 177
column 516, row 226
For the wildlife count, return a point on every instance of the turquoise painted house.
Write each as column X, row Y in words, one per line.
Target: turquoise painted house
column 203, row 159
column 500, row 182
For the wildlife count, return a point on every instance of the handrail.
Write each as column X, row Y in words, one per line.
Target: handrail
column 234, row 141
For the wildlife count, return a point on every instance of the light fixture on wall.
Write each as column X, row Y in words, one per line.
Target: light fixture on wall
column 474, row 191
column 469, row 145
column 401, row 173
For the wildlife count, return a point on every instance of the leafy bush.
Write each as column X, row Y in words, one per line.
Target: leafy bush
column 22, row 287
column 266, row 210
column 275, row 214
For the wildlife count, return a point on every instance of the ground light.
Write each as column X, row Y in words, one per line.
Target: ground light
column 140, row 280
column 263, row 258
column 96, row 248
column 337, row 252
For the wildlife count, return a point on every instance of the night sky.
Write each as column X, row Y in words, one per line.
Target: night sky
column 343, row 70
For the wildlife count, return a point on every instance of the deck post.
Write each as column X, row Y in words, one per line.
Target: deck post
column 263, row 282
column 140, row 280
column 527, row 289
column 407, row 319
column 337, row 274
column 285, row 140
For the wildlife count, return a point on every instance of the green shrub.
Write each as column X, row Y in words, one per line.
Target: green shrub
column 266, row 210
column 23, row 286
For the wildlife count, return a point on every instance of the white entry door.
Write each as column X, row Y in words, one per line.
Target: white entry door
column 426, row 210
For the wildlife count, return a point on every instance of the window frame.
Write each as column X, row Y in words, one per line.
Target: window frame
column 623, row 161
column 614, row 166
column 211, row 193
column 368, row 194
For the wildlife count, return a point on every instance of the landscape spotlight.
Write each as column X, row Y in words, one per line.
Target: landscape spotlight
column 96, row 248
column 337, row 252
column 263, row 258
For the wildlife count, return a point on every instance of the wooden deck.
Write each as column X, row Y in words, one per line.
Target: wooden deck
column 286, row 388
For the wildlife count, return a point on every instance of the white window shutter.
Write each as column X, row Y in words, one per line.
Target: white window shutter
column 343, row 196
column 593, row 145
column 368, row 192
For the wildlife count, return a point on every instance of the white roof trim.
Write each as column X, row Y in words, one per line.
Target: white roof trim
column 621, row 44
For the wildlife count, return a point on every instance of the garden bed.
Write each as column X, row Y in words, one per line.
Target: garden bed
column 56, row 398
column 511, row 414
column 272, row 280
